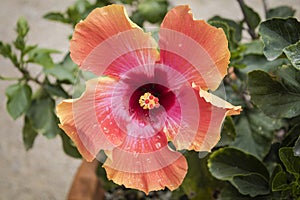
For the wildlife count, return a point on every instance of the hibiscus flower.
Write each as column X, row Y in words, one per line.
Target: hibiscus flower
column 147, row 95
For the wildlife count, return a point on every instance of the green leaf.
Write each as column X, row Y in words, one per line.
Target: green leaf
column 56, row 16
column 68, row 146
column 276, row 170
column 235, row 27
column 62, row 73
column 297, row 147
column 42, row 57
column 255, row 132
column 231, row 193
column 67, row 70
column 293, row 54
column 277, row 34
column 223, row 25
column 29, row 48
column 291, row 136
column 228, row 133
column 137, row 18
column 281, row 11
column 19, row 43
column 242, row 170
column 127, row 1
column 153, row 10
column 74, row 16
column 5, row 50
column 251, row 184
column 252, row 17
column 254, row 47
column 199, row 183
column 18, row 99
column 280, row 182
column 228, row 162
column 41, row 113
column 56, row 90
column 22, row 27
column 229, row 32
column 255, row 62
column 29, row 134
column 290, row 161
column 272, row 97
column 289, row 77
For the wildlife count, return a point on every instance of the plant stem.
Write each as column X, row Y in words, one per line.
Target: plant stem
column 9, row 78
column 250, row 30
column 26, row 76
column 265, row 7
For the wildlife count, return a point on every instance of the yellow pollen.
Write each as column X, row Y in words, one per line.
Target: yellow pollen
column 148, row 101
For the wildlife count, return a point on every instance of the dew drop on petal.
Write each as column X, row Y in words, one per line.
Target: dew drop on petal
column 158, row 145
column 142, row 124
column 127, row 147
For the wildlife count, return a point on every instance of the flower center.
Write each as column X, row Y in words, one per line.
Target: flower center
column 148, row 101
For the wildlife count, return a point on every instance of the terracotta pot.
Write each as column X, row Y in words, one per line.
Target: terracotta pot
column 86, row 185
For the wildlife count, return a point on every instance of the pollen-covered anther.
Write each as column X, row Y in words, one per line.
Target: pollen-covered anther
column 148, row 101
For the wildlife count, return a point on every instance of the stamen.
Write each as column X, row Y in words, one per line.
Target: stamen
column 148, row 101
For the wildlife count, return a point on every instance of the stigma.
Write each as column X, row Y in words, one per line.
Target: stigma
column 148, row 101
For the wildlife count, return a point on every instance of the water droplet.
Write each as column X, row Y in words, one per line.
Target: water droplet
column 259, row 128
column 142, row 124
column 106, row 130
column 127, row 147
column 158, row 145
column 180, row 45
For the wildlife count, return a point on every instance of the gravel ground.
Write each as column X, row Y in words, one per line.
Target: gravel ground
column 45, row 172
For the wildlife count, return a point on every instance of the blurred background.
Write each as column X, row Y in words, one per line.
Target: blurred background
column 46, row 172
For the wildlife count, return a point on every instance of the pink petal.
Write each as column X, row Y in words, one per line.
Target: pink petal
column 107, row 42
column 88, row 121
column 194, row 48
column 200, row 131
column 146, row 164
